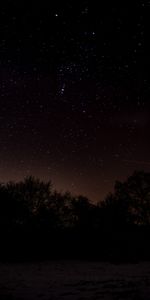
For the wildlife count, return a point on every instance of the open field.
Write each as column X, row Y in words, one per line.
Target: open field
column 74, row 280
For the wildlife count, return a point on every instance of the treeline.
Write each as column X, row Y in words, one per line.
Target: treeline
column 37, row 222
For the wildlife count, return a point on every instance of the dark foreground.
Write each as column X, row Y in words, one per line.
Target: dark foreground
column 74, row 280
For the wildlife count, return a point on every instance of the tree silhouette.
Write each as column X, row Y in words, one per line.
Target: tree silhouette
column 138, row 191
column 81, row 209
column 130, row 202
column 34, row 218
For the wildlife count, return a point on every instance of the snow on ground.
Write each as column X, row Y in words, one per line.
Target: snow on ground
column 74, row 280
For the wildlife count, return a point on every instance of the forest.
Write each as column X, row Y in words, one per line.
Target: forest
column 38, row 223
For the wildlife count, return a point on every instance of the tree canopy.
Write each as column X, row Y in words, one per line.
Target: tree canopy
column 33, row 213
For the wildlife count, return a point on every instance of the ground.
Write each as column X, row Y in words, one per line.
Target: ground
column 74, row 280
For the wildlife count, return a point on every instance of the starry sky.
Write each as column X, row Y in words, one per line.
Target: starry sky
column 74, row 93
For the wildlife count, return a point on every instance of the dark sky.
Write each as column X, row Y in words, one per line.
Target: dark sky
column 74, row 93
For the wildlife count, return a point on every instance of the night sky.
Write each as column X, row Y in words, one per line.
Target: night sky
column 74, row 93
